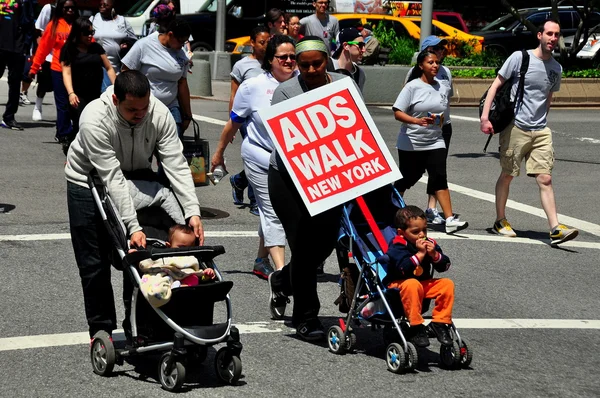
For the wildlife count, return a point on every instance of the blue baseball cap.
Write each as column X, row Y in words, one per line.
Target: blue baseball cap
column 431, row 41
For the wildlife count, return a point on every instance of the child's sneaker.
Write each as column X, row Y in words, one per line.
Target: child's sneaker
column 561, row 234
column 442, row 331
column 277, row 301
column 419, row 336
column 262, row 268
column 433, row 216
column 453, row 224
column 503, row 227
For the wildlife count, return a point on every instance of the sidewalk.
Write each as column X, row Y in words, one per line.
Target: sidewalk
column 221, row 90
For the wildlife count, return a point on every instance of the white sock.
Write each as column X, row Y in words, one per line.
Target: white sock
column 38, row 103
column 450, row 218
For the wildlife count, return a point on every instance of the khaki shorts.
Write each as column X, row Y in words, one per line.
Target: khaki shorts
column 534, row 146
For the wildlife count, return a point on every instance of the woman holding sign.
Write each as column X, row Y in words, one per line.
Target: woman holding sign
column 311, row 239
column 420, row 107
column 279, row 65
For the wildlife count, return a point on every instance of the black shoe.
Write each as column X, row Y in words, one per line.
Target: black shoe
column 277, row 300
column 419, row 336
column 320, row 268
column 12, row 124
column 442, row 331
column 311, row 330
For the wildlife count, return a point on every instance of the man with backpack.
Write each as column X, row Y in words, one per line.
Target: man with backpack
column 528, row 137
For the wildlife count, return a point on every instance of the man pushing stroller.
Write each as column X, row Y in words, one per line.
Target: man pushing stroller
column 119, row 132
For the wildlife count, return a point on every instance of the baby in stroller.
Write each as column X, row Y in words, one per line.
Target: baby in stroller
column 412, row 258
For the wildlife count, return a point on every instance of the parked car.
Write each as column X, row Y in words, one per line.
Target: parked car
column 403, row 26
column 451, row 18
column 507, row 34
column 590, row 53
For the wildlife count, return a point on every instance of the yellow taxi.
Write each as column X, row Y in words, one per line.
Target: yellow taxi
column 403, row 26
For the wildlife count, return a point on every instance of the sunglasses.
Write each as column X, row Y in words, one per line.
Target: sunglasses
column 67, row 8
column 284, row 57
column 88, row 32
column 360, row 44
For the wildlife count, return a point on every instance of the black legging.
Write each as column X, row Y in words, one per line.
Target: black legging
column 311, row 241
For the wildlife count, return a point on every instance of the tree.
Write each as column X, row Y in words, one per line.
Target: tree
column 568, row 56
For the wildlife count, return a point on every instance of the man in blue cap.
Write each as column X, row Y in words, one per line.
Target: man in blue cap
column 438, row 46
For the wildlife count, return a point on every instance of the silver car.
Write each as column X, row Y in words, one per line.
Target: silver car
column 590, row 51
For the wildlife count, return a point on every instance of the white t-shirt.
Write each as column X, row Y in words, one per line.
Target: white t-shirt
column 109, row 34
column 444, row 76
column 326, row 29
column 417, row 99
column 162, row 66
column 42, row 21
column 255, row 94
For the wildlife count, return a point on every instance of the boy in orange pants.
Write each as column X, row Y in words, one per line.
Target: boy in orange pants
column 413, row 257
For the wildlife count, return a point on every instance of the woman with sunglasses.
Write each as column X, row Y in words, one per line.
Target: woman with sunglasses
column 351, row 47
column 54, row 37
column 311, row 239
column 279, row 65
column 83, row 63
column 161, row 58
column 113, row 32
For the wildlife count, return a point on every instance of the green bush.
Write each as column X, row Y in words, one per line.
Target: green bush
column 401, row 49
column 481, row 73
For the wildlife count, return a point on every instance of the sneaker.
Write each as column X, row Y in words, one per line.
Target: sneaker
column 277, row 301
column 254, row 210
column 419, row 336
column 442, row 332
column 12, row 124
column 311, row 330
column 502, row 227
column 37, row 115
column 562, row 234
column 23, row 100
column 453, row 224
column 433, row 216
column 237, row 193
column 262, row 268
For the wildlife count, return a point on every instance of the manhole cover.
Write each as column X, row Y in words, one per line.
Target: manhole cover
column 213, row 214
column 6, row 208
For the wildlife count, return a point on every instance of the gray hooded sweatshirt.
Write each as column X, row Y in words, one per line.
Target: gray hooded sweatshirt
column 108, row 143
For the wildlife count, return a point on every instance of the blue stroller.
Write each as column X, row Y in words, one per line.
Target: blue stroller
column 181, row 329
column 369, row 302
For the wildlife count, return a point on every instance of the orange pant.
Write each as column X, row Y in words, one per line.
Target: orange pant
column 412, row 293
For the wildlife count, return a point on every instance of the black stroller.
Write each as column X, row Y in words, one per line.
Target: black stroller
column 370, row 302
column 182, row 331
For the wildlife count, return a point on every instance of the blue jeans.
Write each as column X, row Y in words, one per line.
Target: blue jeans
column 64, row 127
column 93, row 254
column 105, row 81
column 176, row 112
column 241, row 181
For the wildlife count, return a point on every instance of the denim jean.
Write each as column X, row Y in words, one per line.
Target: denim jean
column 241, row 182
column 176, row 112
column 105, row 81
column 64, row 126
column 93, row 254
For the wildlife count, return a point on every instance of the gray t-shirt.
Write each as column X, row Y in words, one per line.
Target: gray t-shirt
column 245, row 68
column 417, row 99
column 326, row 29
column 542, row 78
column 162, row 66
column 444, row 76
column 292, row 88
column 109, row 34
column 361, row 74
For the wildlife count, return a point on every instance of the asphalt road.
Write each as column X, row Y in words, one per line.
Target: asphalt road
column 529, row 312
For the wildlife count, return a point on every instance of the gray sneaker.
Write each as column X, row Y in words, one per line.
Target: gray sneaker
column 262, row 268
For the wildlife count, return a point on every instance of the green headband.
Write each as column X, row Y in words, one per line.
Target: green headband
column 311, row 45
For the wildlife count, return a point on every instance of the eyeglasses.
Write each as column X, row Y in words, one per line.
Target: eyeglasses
column 284, row 57
column 360, row 44
column 88, row 32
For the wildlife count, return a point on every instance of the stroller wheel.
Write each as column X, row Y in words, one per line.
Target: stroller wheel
column 450, row 356
column 102, row 354
column 413, row 356
column 171, row 379
column 466, row 355
column 397, row 360
column 350, row 342
column 336, row 340
column 228, row 367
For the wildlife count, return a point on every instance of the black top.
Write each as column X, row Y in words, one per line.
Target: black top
column 86, row 71
column 16, row 26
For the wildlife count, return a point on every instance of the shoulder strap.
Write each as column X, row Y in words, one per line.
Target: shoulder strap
column 522, row 72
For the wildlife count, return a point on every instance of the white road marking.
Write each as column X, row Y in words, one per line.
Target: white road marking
column 588, row 140
column 81, row 338
column 65, row 339
column 209, row 120
column 253, row 234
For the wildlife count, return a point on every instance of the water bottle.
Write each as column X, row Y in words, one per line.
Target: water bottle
column 217, row 175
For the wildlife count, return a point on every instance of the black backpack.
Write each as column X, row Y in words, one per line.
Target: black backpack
column 502, row 110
